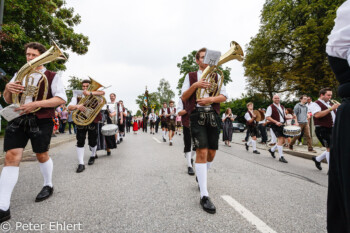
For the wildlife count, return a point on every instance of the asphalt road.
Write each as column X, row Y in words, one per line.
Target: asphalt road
column 144, row 187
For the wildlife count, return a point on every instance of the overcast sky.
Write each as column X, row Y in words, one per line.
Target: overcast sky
column 136, row 43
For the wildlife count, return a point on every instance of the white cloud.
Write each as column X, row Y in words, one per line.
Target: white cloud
column 136, row 43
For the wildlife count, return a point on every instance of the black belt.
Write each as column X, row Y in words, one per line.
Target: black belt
column 205, row 109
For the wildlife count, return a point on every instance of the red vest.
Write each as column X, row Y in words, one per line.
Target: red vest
column 163, row 118
column 275, row 113
column 327, row 120
column 168, row 111
column 46, row 112
column 192, row 101
column 185, row 119
column 251, row 116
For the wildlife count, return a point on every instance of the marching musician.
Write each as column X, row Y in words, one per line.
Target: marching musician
column 121, row 120
column 91, row 129
column 36, row 127
column 171, row 115
column 252, row 126
column 105, row 142
column 152, row 119
column 163, row 120
column 276, row 116
column 338, row 50
column 205, row 124
column 323, row 112
column 113, row 111
column 185, row 118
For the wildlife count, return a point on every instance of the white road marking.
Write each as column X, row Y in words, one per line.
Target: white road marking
column 249, row 216
column 156, row 140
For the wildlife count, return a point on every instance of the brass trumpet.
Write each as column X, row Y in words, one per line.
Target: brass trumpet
column 93, row 105
column 54, row 53
column 210, row 72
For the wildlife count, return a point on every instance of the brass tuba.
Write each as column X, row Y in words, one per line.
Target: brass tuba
column 54, row 53
column 92, row 103
column 210, row 72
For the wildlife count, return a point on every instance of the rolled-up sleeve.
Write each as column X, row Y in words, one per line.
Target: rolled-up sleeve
column 57, row 87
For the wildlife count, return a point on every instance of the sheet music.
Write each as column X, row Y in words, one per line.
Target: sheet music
column 212, row 57
column 9, row 112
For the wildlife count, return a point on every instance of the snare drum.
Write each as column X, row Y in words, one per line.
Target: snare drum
column 291, row 131
column 109, row 130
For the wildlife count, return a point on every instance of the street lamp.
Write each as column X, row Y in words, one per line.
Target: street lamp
column 1, row 13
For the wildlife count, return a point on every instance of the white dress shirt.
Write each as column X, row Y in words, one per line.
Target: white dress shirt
column 315, row 108
column 152, row 117
column 171, row 114
column 57, row 87
column 186, row 85
column 180, row 106
column 339, row 40
column 247, row 116
column 269, row 112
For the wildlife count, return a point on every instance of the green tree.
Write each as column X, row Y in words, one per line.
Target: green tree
column 138, row 113
column 40, row 21
column 165, row 94
column 189, row 64
column 288, row 54
column 74, row 84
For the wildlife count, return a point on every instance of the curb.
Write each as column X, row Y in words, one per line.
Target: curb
column 29, row 155
column 300, row 154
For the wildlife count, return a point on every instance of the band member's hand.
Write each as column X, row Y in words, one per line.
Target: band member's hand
column 204, row 101
column 202, row 84
column 27, row 108
column 15, row 87
column 296, row 123
column 335, row 106
column 278, row 123
column 81, row 108
column 86, row 93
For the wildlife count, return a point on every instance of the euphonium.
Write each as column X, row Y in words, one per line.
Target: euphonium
column 209, row 73
column 334, row 101
column 92, row 103
column 29, row 68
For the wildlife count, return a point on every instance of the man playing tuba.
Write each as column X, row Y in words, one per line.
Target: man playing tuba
column 205, row 124
column 37, row 126
column 91, row 128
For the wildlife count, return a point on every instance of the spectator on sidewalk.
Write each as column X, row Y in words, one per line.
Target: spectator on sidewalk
column 301, row 111
column 227, row 119
column 64, row 117
column 71, row 123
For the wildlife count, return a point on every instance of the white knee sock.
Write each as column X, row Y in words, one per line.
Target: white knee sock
column 249, row 142
column 254, row 144
column 46, row 170
column 274, row 148
column 193, row 154
column 273, row 136
column 80, row 152
column 209, row 165
column 327, row 157
column 166, row 132
column 321, row 157
column 280, row 151
column 163, row 133
column 118, row 137
column 188, row 158
column 93, row 151
column 201, row 171
column 8, row 180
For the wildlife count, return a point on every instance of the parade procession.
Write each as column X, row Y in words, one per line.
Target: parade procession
column 124, row 117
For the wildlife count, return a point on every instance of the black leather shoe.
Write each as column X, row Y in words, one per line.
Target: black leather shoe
column 108, row 153
column 91, row 160
column 283, row 160
column 80, row 168
column 272, row 153
column 190, row 171
column 121, row 139
column 170, row 143
column 164, row 140
column 96, row 157
column 118, row 142
column 45, row 193
column 256, row 152
column 246, row 146
column 4, row 215
column 317, row 164
column 207, row 205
